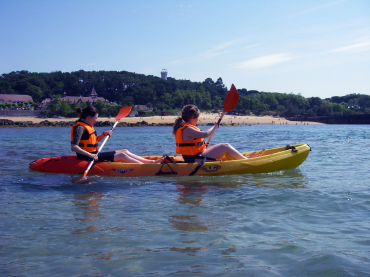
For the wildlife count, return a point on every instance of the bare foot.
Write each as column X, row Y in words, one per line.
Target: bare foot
column 251, row 155
column 160, row 160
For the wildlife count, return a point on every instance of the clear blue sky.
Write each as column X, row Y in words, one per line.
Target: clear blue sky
column 316, row 48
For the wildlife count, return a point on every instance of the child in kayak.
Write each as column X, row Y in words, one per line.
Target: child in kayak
column 84, row 141
column 190, row 139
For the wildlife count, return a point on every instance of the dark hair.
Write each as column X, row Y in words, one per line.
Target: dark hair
column 188, row 112
column 88, row 111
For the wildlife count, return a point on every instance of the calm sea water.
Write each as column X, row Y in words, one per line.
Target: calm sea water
column 310, row 221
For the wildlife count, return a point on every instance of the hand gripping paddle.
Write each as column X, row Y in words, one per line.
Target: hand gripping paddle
column 123, row 112
column 230, row 102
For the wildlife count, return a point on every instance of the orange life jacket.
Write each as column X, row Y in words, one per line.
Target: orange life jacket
column 90, row 145
column 190, row 147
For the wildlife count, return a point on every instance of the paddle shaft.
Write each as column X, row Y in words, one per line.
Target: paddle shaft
column 100, row 148
column 218, row 123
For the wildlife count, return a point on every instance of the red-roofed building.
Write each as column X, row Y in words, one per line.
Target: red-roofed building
column 15, row 98
column 92, row 98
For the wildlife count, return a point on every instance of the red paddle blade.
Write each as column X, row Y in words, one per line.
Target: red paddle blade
column 123, row 112
column 231, row 99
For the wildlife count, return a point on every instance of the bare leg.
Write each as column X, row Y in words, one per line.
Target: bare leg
column 128, row 157
column 219, row 150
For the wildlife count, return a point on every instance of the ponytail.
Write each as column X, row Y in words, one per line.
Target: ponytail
column 177, row 124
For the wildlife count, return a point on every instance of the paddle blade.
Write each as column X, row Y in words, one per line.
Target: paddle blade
column 123, row 112
column 83, row 176
column 231, row 99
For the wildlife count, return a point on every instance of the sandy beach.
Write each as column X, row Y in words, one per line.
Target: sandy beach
column 205, row 118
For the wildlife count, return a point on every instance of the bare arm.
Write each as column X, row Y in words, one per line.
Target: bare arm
column 79, row 150
column 104, row 134
column 190, row 133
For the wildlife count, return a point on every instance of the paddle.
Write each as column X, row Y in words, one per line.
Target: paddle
column 123, row 112
column 230, row 102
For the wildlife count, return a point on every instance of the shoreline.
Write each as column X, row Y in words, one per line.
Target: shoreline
column 204, row 119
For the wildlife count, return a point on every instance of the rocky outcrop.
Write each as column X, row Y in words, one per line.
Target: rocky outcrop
column 6, row 123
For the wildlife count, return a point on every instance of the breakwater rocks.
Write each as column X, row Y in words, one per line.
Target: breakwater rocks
column 6, row 123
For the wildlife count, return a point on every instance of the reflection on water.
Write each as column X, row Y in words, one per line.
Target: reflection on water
column 188, row 223
column 89, row 203
column 106, row 256
column 188, row 250
column 191, row 196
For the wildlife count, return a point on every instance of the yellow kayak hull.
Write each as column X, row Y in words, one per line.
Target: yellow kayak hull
column 261, row 161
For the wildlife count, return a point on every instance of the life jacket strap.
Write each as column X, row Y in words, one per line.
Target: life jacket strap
column 88, row 145
column 185, row 144
column 190, row 144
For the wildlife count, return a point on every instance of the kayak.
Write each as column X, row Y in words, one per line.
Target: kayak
column 261, row 161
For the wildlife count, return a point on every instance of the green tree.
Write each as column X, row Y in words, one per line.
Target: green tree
column 325, row 109
column 35, row 92
column 65, row 108
column 272, row 102
column 259, row 108
column 364, row 102
column 128, row 101
column 53, row 106
column 167, row 99
column 178, row 98
column 190, row 97
column 280, row 110
column 217, row 102
column 113, row 110
column 102, row 108
column 338, row 108
column 205, row 98
column 314, row 101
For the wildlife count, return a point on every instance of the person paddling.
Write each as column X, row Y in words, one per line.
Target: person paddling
column 84, row 141
column 190, row 139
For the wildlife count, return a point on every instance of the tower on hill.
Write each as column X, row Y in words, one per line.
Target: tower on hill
column 164, row 74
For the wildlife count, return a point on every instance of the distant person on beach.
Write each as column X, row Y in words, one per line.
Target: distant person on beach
column 84, row 141
column 190, row 139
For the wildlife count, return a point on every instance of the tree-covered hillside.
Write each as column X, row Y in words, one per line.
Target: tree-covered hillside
column 126, row 88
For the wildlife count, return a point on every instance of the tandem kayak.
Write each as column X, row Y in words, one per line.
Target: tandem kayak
column 262, row 161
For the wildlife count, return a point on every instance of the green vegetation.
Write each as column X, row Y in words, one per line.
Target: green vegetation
column 126, row 88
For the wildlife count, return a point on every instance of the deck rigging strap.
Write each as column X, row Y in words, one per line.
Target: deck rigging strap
column 291, row 147
column 160, row 172
column 198, row 166
column 54, row 159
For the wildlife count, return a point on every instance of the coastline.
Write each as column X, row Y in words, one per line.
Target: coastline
column 204, row 119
